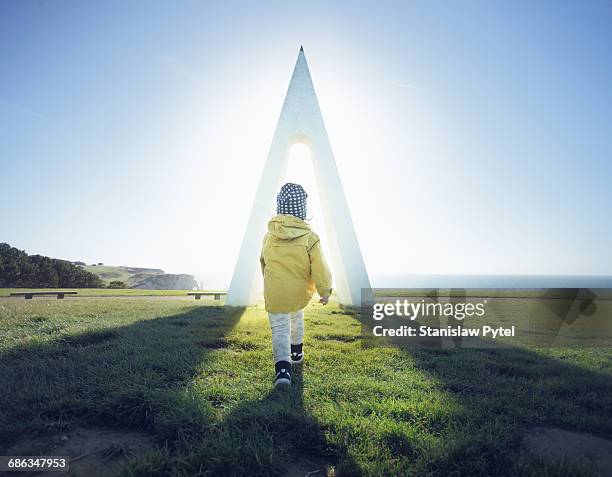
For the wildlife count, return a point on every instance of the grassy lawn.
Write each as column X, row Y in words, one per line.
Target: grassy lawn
column 101, row 291
column 198, row 377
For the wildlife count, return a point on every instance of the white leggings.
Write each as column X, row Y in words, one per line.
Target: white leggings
column 287, row 329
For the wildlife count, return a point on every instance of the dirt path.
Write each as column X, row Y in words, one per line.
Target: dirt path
column 91, row 451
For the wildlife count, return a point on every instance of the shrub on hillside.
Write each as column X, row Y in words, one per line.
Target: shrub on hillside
column 117, row 284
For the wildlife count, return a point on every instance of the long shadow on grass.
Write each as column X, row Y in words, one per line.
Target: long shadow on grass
column 273, row 436
column 502, row 393
column 495, row 395
column 128, row 376
column 139, row 376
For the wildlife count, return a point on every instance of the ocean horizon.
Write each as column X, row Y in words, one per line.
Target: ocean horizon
column 489, row 281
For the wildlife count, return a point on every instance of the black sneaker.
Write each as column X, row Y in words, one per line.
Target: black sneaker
column 283, row 373
column 297, row 355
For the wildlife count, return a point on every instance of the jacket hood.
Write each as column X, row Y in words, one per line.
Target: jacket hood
column 287, row 227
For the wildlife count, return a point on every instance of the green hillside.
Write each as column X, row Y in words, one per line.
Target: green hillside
column 128, row 275
column 18, row 269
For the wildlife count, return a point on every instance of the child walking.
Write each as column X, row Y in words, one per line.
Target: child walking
column 293, row 267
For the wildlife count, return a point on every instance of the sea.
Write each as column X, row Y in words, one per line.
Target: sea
column 489, row 281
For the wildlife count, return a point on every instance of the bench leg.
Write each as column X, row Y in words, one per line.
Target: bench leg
column 60, row 296
column 29, row 296
column 198, row 297
column 217, row 296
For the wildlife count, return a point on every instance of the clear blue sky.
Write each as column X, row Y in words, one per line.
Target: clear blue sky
column 472, row 137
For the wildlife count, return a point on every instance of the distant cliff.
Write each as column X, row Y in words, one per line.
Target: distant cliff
column 143, row 278
column 167, row 281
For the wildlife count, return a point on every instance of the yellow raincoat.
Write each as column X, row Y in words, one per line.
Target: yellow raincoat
column 292, row 264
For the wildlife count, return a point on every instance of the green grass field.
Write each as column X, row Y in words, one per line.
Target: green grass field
column 198, row 377
column 92, row 292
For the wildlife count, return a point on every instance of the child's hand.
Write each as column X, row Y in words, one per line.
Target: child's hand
column 324, row 300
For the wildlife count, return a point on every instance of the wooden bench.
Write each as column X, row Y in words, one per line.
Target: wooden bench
column 30, row 295
column 216, row 295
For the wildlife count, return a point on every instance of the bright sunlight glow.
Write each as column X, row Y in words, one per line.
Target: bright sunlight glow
column 300, row 170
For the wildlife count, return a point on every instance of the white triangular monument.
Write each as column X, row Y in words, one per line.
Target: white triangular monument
column 301, row 122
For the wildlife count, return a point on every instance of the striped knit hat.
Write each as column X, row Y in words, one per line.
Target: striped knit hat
column 291, row 200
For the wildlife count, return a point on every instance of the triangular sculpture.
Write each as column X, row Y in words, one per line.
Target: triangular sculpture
column 301, row 122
